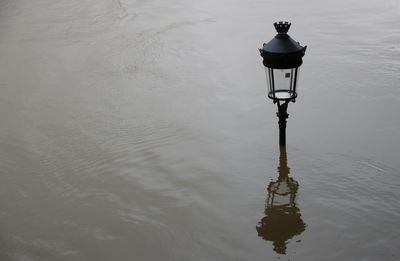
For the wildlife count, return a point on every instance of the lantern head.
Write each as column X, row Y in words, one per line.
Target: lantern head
column 282, row 57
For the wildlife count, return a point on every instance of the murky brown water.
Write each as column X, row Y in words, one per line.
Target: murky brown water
column 139, row 130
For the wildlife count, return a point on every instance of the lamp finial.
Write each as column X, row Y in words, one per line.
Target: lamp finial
column 282, row 27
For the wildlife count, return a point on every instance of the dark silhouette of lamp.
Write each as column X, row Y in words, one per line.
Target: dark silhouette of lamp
column 282, row 219
column 282, row 58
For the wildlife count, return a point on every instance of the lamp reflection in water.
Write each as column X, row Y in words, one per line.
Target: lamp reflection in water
column 282, row 219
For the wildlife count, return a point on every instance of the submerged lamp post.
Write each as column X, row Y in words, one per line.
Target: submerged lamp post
column 282, row 57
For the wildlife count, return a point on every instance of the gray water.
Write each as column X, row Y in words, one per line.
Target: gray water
column 139, row 130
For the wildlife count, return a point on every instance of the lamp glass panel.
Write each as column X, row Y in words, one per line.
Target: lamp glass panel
column 296, row 72
column 283, row 79
column 281, row 83
column 270, row 80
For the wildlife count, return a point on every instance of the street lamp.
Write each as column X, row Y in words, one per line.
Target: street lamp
column 282, row 57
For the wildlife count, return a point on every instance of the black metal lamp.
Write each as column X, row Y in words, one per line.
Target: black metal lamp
column 282, row 57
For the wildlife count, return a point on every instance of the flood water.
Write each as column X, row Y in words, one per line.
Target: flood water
column 140, row 130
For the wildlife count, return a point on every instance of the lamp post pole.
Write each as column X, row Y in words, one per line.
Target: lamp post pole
column 282, row 115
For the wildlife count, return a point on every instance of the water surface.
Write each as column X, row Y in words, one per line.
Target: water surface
column 139, row 130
